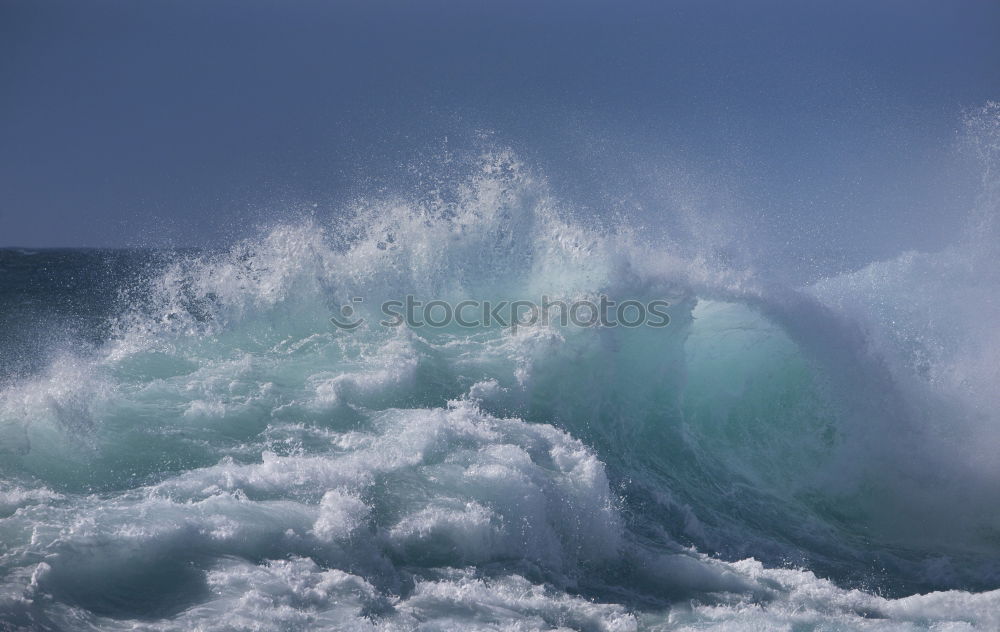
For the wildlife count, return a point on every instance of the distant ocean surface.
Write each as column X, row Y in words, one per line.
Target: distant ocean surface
column 188, row 443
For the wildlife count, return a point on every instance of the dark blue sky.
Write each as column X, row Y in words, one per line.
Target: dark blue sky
column 183, row 122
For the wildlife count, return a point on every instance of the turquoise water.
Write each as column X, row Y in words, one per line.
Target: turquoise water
column 189, row 443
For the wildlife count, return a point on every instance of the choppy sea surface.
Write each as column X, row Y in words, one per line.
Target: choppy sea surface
column 188, row 443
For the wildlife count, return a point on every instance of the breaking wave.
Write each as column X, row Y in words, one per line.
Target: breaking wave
column 777, row 457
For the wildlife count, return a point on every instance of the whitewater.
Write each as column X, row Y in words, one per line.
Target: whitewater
column 221, row 457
